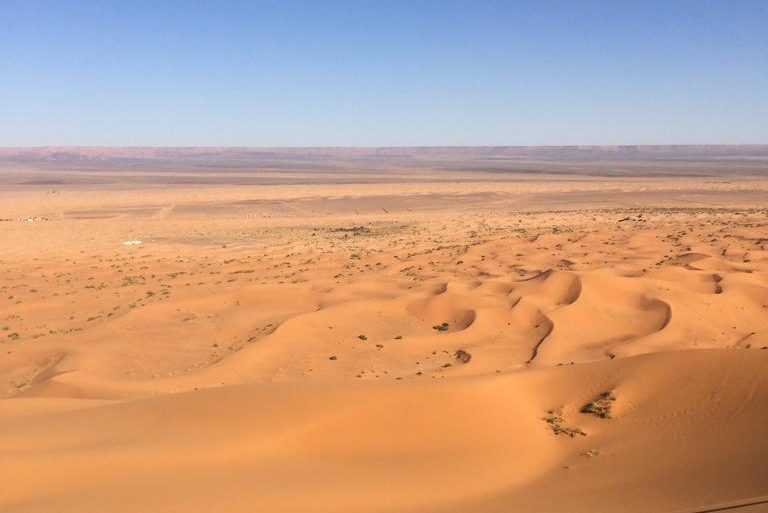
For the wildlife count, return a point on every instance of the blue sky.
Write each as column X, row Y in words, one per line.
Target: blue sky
column 381, row 73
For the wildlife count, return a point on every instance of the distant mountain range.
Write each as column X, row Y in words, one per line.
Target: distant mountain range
column 241, row 155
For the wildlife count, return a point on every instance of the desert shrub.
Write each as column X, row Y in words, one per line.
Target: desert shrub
column 463, row 356
column 601, row 406
column 556, row 423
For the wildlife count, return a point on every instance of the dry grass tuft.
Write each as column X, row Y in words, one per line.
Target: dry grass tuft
column 556, row 423
column 600, row 406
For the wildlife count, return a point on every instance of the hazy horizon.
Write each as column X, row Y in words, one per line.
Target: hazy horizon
column 363, row 147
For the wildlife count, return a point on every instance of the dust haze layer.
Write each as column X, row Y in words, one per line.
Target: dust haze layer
column 236, row 166
column 384, row 330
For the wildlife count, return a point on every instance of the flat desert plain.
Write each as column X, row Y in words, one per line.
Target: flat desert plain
column 364, row 332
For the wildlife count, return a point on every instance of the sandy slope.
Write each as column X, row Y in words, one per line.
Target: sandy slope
column 296, row 348
column 687, row 431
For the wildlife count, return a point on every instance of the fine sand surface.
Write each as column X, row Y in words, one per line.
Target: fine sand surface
column 384, row 341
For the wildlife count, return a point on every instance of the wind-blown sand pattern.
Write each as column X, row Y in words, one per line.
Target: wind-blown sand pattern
column 388, row 340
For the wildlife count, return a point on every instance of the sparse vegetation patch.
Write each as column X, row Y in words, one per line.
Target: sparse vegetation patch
column 601, row 406
column 463, row 356
column 556, row 423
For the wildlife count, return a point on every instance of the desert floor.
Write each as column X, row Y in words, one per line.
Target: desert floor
column 415, row 344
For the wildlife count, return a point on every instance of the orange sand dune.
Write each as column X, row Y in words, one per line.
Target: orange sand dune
column 427, row 345
column 675, row 442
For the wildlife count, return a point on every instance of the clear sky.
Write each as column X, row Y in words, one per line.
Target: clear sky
column 380, row 73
